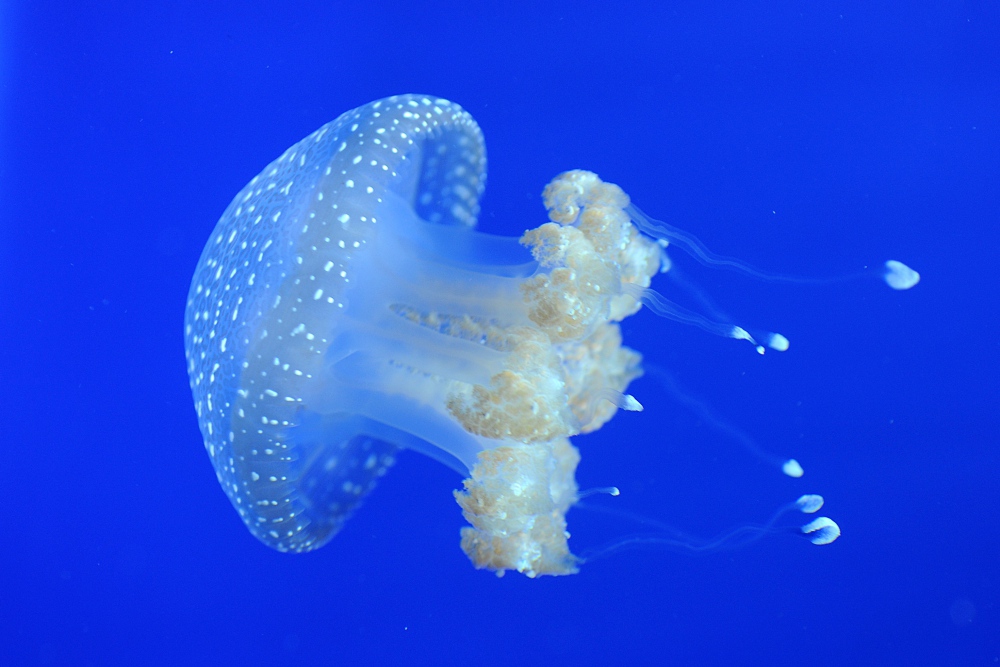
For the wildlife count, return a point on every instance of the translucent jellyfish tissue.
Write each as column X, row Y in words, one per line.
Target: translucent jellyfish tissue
column 345, row 307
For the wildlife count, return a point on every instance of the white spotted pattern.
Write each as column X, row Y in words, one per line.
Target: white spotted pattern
column 271, row 282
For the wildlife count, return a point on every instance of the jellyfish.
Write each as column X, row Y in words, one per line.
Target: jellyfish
column 346, row 308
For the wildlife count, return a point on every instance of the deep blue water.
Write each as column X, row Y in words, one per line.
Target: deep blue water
column 807, row 138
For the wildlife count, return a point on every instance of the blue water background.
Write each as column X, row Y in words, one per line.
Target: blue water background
column 807, row 138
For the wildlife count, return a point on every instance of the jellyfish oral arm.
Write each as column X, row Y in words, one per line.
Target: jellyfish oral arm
column 516, row 500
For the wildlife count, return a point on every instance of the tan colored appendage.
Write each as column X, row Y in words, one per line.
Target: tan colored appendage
column 595, row 364
column 591, row 249
column 597, row 209
column 561, row 377
column 516, row 501
column 525, row 402
column 567, row 301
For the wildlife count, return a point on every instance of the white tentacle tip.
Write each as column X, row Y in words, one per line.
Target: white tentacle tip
column 809, row 503
column 899, row 276
column 822, row 530
column 792, row 468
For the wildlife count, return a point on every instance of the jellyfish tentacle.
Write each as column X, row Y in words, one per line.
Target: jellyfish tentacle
column 820, row 531
column 695, row 248
column 664, row 307
column 894, row 273
column 788, row 466
column 621, row 401
column 599, row 490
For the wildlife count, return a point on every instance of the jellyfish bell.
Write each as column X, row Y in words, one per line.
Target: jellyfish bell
column 345, row 308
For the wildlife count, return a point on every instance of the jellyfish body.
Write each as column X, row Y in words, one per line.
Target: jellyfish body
column 345, row 307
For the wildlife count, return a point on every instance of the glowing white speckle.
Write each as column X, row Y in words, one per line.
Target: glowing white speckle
column 257, row 345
